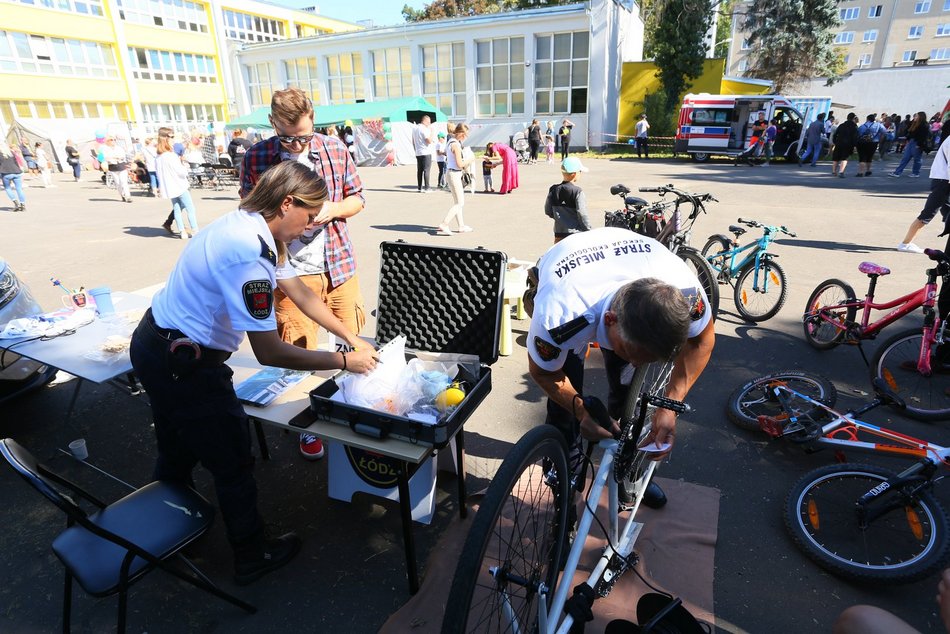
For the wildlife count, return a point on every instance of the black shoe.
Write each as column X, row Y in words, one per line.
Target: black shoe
column 168, row 227
column 253, row 561
column 654, row 497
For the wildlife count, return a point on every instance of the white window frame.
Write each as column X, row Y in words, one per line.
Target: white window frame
column 922, row 7
column 82, row 7
column 943, row 30
column 743, row 65
column 865, row 60
column 869, row 36
column 850, row 13
column 504, row 68
column 391, row 72
column 554, row 95
column 344, row 77
column 875, row 11
column 181, row 15
column 939, row 54
column 248, row 27
column 443, row 76
column 915, row 32
column 909, row 56
column 260, row 86
column 844, row 37
column 178, row 67
column 32, row 54
column 303, row 73
column 745, row 45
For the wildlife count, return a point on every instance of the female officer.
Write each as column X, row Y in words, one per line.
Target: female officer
column 222, row 287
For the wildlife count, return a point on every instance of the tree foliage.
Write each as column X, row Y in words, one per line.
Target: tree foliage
column 679, row 42
column 791, row 41
column 438, row 9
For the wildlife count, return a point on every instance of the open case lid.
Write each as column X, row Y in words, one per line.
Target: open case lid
column 443, row 299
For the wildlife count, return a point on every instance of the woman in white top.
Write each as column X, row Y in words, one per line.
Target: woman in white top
column 455, row 163
column 42, row 161
column 116, row 161
column 173, row 176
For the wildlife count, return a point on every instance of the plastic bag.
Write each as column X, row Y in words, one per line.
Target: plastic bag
column 379, row 389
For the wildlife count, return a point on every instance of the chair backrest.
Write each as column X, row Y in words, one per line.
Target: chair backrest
column 224, row 161
column 25, row 464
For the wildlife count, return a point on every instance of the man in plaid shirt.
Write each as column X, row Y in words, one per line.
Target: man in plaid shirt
column 323, row 257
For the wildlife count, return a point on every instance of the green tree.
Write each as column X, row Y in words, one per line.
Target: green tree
column 723, row 27
column 438, row 9
column 661, row 113
column 791, row 41
column 679, row 42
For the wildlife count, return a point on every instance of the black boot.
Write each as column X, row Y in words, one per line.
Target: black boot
column 654, row 497
column 261, row 554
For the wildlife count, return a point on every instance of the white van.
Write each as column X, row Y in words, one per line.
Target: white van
column 711, row 125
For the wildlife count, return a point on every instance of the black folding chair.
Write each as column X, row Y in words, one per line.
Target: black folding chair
column 112, row 548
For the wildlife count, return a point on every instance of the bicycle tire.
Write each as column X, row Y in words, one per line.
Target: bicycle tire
column 704, row 273
column 519, row 501
column 758, row 306
column 713, row 251
column 895, row 361
column 630, row 463
column 754, row 399
column 819, row 333
column 821, row 518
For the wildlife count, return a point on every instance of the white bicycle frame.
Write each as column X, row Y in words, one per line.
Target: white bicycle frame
column 624, row 539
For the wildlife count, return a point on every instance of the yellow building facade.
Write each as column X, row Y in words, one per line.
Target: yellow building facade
column 144, row 62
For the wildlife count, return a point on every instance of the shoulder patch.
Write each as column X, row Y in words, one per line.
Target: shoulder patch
column 258, row 298
column 697, row 305
column 266, row 252
column 546, row 350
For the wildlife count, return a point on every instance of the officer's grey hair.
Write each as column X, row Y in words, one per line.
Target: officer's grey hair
column 652, row 314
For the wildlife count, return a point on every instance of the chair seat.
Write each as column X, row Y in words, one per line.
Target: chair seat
column 870, row 268
column 161, row 518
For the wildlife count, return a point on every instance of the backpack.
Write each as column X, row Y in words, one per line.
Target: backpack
column 865, row 136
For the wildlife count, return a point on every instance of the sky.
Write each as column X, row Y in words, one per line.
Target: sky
column 382, row 12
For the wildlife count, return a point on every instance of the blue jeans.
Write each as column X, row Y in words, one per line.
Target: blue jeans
column 911, row 150
column 77, row 170
column 152, row 182
column 814, row 151
column 184, row 202
column 11, row 181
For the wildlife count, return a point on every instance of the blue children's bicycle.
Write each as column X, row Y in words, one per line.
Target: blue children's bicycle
column 760, row 285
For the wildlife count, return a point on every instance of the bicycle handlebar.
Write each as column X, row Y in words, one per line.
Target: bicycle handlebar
column 936, row 255
column 756, row 223
column 664, row 189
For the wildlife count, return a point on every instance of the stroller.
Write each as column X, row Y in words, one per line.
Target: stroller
column 521, row 147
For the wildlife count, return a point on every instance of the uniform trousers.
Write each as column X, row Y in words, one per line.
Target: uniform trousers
column 198, row 418
column 344, row 300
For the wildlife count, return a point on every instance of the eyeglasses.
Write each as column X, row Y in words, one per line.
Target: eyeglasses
column 289, row 140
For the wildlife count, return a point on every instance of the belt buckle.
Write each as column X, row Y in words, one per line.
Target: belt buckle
column 185, row 342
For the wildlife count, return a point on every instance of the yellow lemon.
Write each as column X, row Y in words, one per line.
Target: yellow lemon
column 450, row 397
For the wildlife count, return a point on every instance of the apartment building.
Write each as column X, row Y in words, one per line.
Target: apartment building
column 872, row 34
column 149, row 62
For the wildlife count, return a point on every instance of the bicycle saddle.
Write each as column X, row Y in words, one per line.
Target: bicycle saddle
column 737, row 230
column 635, row 201
column 870, row 268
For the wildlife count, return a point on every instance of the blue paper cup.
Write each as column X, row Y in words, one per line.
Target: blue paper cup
column 103, row 297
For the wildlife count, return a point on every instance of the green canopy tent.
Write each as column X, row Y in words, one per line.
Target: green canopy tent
column 257, row 119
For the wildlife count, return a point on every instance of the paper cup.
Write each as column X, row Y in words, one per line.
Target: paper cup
column 78, row 449
column 103, row 297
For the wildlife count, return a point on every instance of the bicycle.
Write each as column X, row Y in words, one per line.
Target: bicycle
column 858, row 521
column 760, row 284
column 512, row 574
column 674, row 233
column 913, row 361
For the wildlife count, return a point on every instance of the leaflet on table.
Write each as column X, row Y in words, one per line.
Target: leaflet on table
column 402, row 388
column 48, row 324
column 262, row 388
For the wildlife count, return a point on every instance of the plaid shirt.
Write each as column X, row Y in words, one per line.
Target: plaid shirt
column 331, row 161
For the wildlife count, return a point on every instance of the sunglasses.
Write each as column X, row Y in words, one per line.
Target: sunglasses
column 302, row 140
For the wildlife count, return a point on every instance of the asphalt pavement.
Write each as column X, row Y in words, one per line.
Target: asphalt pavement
column 350, row 574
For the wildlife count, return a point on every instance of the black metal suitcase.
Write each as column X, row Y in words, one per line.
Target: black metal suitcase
column 444, row 300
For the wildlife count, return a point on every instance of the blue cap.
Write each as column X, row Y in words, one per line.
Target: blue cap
column 572, row 165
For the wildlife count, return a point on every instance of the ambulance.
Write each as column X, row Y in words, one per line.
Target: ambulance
column 721, row 125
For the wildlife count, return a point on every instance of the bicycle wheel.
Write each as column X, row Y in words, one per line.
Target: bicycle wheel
column 713, row 251
column 926, row 397
column 908, row 543
column 756, row 398
column 518, row 533
column 630, row 464
column 704, row 273
column 760, row 297
column 824, row 314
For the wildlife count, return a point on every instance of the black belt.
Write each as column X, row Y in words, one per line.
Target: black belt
column 203, row 356
column 452, row 170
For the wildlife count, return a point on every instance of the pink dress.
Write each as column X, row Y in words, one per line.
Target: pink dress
column 509, row 168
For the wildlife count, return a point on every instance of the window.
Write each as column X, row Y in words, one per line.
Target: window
column 165, row 66
column 25, row 53
column 711, row 117
column 180, row 15
column 909, row 56
column 845, row 37
column 946, row 5
column 922, row 7
column 915, row 32
column 345, row 78
column 851, row 13
column 499, row 76
column 83, row 7
column 745, row 45
column 250, row 28
column 743, row 65
column 875, row 10
column 159, row 114
column 302, row 73
column 940, row 53
column 864, row 60
column 560, row 72
column 870, row 36
column 392, row 73
column 443, row 77
column 943, row 30
column 259, row 86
